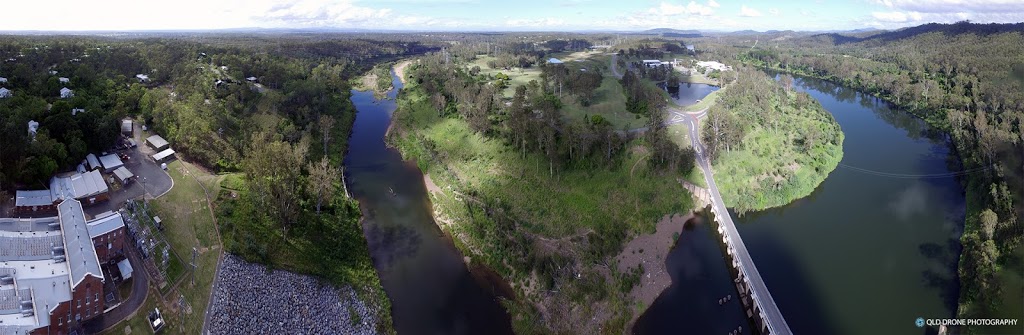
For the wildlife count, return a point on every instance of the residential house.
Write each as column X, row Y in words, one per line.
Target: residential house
column 66, row 93
column 64, row 80
column 142, row 78
column 5, row 93
column 3, row 80
column 75, row 111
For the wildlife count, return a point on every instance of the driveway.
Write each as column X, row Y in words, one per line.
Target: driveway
column 140, row 287
column 148, row 175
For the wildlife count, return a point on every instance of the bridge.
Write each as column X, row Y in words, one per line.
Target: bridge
column 769, row 318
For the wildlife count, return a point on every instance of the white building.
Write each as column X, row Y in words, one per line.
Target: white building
column 66, row 93
column 142, row 78
column 64, row 80
column 75, row 111
column 33, row 128
column 53, row 72
column 3, row 80
column 713, row 65
column 653, row 63
column 252, row 79
column 5, row 93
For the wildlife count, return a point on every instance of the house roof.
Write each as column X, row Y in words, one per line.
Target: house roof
column 28, row 224
column 123, row 174
column 163, row 154
column 28, row 246
column 126, row 125
column 111, row 161
column 78, row 185
column 93, row 161
column 81, row 255
column 105, row 224
column 33, row 198
column 554, row 61
column 157, row 141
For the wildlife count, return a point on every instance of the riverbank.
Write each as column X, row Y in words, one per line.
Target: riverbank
column 284, row 302
column 775, row 156
column 648, row 252
column 552, row 237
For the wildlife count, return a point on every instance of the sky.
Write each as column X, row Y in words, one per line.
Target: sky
column 499, row 15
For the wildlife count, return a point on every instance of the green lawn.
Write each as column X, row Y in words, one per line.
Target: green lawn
column 188, row 223
column 610, row 103
column 517, row 76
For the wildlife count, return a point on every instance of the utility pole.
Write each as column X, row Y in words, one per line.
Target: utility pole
column 194, row 266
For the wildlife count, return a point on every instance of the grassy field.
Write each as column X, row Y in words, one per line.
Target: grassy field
column 516, row 76
column 610, row 103
column 188, row 223
column 698, row 78
column 578, row 217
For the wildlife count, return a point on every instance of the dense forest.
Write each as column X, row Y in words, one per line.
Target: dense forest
column 966, row 79
column 769, row 144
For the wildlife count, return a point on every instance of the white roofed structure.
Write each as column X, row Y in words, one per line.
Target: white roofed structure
column 163, row 155
column 79, row 185
column 66, row 93
column 5, row 93
column 110, row 163
column 105, row 223
column 81, row 255
column 94, row 163
column 157, row 142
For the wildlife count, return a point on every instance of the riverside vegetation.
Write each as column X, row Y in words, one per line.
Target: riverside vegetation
column 769, row 144
column 545, row 199
column 965, row 79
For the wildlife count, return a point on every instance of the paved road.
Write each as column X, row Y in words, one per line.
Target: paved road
column 140, row 286
column 759, row 291
column 615, row 66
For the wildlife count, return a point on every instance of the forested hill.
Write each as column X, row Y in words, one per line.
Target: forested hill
column 964, row 78
column 197, row 95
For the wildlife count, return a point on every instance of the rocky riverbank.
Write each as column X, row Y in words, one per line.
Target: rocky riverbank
column 249, row 299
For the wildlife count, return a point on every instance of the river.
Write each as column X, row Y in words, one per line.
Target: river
column 431, row 289
column 874, row 247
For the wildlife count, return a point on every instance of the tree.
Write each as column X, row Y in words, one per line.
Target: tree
column 325, row 124
column 322, row 179
column 273, row 177
column 988, row 220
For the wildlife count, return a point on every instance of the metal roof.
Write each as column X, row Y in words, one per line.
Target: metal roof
column 123, row 174
column 81, row 255
column 105, row 224
column 29, row 246
column 33, row 198
column 157, row 141
column 28, row 224
column 94, row 162
column 111, row 162
column 163, row 154
column 78, row 185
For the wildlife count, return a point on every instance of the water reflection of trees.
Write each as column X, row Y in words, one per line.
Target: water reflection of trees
column 390, row 243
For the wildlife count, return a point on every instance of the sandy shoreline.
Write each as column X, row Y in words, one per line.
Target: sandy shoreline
column 650, row 250
column 400, row 70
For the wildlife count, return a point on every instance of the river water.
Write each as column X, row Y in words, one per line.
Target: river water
column 430, row 287
column 874, row 247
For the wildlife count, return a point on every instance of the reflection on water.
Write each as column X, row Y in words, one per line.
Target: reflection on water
column 687, row 93
column 431, row 290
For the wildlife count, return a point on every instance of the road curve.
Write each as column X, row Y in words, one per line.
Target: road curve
column 759, row 291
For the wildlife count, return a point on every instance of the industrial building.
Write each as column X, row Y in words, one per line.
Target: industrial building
column 50, row 276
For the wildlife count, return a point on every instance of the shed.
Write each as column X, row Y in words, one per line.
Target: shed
column 110, row 163
column 156, row 142
column 164, row 156
column 94, row 163
column 123, row 175
column 126, row 127
column 125, row 268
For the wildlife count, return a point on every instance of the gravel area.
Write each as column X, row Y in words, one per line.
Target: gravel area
column 251, row 300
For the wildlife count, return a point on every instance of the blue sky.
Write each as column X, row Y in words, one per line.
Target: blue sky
column 514, row 15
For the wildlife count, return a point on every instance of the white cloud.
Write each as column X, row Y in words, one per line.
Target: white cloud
column 954, row 6
column 534, row 23
column 896, row 17
column 693, row 8
column 749, row 12
column 773, row 11
column 712, row 4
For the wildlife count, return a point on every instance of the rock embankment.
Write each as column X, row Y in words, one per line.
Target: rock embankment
column 249, row 299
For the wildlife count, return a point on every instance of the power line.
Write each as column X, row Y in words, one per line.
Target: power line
column 915, row 176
